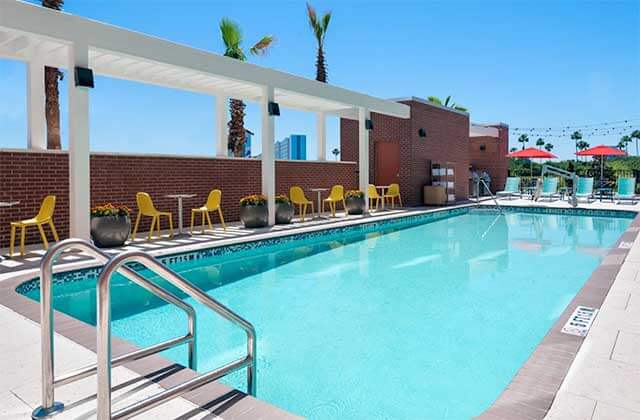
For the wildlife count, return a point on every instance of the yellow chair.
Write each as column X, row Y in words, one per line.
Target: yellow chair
column 335, row 196
column 373, row 195
column 298, row 198
column 393, row 192
column 45, row 215
column 212, row 204
column 146, row 208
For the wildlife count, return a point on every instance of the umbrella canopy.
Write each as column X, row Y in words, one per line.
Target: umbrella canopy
column 602, row 150
column 532, row 153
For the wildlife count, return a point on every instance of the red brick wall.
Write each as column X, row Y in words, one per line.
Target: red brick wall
column 447, row 140
column 493, row 159
column 29, row 176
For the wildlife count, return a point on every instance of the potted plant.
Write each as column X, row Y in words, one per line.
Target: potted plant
column 354, row 200
column 110, row 225
column 254, row 212
column 284, row 210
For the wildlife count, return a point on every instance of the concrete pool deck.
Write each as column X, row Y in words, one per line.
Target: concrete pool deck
column 598, row 383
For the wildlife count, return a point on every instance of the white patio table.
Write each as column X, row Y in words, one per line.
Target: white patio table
column 319, row 216
column 180, row 197
column 6, row 204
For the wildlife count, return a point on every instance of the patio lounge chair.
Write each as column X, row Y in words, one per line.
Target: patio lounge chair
column 549, row 188
column 511, row 188
column 584, row 189
column 626, row 190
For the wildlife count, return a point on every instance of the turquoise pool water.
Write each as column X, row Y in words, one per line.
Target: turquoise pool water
column 431, row 321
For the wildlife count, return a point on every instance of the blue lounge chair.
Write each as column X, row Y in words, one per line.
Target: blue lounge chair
column 511, row 188
column 549, row 189
column 626, row 190
column 584, row 189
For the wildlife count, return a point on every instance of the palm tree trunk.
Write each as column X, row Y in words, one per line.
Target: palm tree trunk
column 237, row 134
column 321, row 66
column 52, row 107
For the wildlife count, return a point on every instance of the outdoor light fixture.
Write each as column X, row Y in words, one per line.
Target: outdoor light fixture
column 84, row 77
column 482, row 147
column 422, row 132
column 368, row 124
column 274, row 108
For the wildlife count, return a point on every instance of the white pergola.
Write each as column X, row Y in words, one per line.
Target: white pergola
column 41, row 36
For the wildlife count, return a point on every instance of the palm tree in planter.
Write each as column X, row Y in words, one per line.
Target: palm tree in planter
column 232, row 38
column 335, row 152
column 51, row 93
column 447, row 103
column 319, row 27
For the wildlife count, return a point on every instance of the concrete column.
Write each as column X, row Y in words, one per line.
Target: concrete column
column 268, row 162
column 79, row 183
column 36, row 129
column 321, row 124
column 363, row 155
column 222, row 143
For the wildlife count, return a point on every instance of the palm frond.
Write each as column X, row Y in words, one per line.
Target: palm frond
column 434, row 99
column 232, row 38
column 325, row 22
column 460, row 108
column 446, row 101
column 260, row 47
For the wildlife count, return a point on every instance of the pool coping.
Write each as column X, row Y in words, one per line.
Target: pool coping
column 529, row 394
column 533, row 388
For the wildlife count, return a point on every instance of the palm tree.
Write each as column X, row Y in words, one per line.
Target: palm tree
column 319, row 28
column 540, row 142
column 447, row 103
column 232, row 38
column 636, row 136
column 575, row 137
column 548, row 147
column 52, row 95
column 523, row 139
column 335, row 152
column 624, row 142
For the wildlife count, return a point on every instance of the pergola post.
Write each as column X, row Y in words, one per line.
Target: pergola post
column 222, row 142
column 363, row 155
column 268, row 162
column 321, row 125
column 79, row 183
column 36, row 130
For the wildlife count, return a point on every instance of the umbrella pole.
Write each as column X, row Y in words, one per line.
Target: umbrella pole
column 601, row 170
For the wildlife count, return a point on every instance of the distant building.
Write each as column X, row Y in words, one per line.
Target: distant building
column 293, row 147
column 247, row 143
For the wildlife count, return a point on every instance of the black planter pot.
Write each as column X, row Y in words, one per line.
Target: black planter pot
column 284, row 213
column 355, row 205
column 110, row 231
column 254, row 216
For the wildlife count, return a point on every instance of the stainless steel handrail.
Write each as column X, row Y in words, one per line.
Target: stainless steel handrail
column 49, row 382
column 495, row 200
column 104, row 338
column 565, row 174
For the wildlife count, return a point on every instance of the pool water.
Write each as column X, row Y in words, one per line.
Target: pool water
column 428, row 322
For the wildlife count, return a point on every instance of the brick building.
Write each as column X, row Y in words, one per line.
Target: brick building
column 488, row 145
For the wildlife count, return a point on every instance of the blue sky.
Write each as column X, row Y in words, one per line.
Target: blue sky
column 527, row 63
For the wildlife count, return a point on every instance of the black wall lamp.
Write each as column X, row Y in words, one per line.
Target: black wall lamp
column 83, row 77
column 422, row 132
column 368, row 124
column 274, row 108
column 483, row 147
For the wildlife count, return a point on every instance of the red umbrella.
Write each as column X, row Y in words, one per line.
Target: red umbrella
column 602, row 151
column 532, row 153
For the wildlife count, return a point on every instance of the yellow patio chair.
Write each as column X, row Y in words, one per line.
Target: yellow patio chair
column 212, row 204
column 392, row 193
column 335, row 196
column 298, row 198
column 45, row 215
column 373, row 195
column 146, row 208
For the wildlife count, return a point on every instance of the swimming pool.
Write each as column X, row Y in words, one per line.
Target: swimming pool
column 426, row 321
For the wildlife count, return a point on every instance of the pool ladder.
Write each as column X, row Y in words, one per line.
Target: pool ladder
column 105, row 362
column 495, row 200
